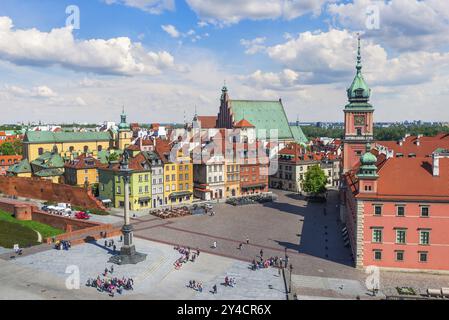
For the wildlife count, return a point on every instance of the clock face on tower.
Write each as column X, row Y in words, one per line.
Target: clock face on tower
column 359, row 120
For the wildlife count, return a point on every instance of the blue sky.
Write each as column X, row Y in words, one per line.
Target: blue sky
column 163, row 58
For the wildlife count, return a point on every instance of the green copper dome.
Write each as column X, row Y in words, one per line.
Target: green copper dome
column 359, row 90
column 368, row 167
column 123, row 125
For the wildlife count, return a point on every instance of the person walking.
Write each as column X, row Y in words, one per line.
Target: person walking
column 240, row 246
column 261, row 253
column 215, row 288
column 247, row 240
column 214, row 245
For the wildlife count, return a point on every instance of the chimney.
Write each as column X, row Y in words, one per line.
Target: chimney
column 435, row 164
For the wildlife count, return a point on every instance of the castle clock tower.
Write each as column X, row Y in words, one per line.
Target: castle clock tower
column 358, row 118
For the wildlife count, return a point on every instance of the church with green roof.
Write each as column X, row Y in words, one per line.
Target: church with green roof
column 265, row 116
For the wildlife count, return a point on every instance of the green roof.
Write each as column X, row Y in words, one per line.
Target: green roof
column 298, row 135
column 49, row 160
column 104, row 154
column 56, row 137
column 49, row 172
column 264, row 115
column 21, row 167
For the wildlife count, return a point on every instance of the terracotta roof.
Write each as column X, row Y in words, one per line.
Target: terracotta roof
column 208, row 122
column 243, row 124
column 426, row 144
column 84, row 162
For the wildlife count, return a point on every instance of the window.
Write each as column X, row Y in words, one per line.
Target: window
column 173, row 187
column 400, row 236
column 358, row 153
column 186, row 176
column 181, row 176
column 167, row 178
column 86, row 148
column 146, row 177
column 186, row 167
column 173, row 177
column 187, row 186
column 40, row 151
column 377, row 235
column 119, row 190
column 399, row 255
column 173, row 167
column 377, row 210
column 146, row 189
column 140, row 178
column 140, row 189
column 180, row 187
column 167, row 188
column 423, row 256
column 180, row 168
column 400, row 211
column 377, row 254
column 424, row 211
column 359, row 131
column 424, row 237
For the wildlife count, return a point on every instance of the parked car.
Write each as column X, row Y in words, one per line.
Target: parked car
column 82, row 215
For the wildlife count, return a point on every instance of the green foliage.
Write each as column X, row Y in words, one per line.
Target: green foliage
column 112, row 157
column 315, row 180
column 11, row 148
column 392, row 133
column 11, row 234
column 45, row 230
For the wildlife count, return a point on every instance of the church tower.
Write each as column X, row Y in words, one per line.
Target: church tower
column 124, row 132
column 358, row 118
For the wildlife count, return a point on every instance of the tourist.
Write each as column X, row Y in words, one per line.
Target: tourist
column 114, row 248
column 240, row 246
column 214, row 245
column 261, row 253
column 112, row 269
column 215, row 289
column 247, row 240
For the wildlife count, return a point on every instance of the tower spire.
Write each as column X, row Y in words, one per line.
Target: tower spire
column 359, row 55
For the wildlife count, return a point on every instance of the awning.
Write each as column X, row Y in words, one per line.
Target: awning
column 180, row 194
column 106, row 201
column 144, row 199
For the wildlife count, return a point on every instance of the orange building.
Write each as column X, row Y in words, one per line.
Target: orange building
column 8, row 161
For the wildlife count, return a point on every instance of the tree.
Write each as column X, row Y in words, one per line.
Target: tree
column 315, row 180
column 7, row 149
column 113, row 157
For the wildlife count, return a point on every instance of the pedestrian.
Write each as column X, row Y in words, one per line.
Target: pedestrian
column 114, row 247
column 112, row 269
column 247, row 240
column 240, row 246
column 215, row 288
column 214, row 245
column 121, row 238
column 261, row 253
column 105, row 243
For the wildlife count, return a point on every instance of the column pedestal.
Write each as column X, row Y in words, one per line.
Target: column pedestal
column 128, row 253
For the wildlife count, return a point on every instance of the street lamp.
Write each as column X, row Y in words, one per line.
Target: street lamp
column 290, row 288
column 128, row 253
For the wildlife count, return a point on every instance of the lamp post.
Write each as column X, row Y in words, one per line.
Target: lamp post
column 128, row 253
column 290, row 287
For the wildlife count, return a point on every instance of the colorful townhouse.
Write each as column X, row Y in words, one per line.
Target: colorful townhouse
column 178, row 173
column 82, row 171
column 111, row 184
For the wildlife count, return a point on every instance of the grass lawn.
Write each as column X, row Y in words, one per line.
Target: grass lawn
column 45, row 230
column 13, row 233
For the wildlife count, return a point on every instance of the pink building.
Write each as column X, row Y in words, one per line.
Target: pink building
column 394, row 195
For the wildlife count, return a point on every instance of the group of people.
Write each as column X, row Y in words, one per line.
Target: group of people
column 265, row 263
column 63, row 245
column 186, row 255
column 111, row 285
column 110, row 244
column 196, row 285
column 229, row 282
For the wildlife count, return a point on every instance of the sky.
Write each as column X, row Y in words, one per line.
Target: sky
column 82, row 61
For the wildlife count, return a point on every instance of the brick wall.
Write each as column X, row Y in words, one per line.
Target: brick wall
column 46, row 190
column 61, row 222
column 21, row 210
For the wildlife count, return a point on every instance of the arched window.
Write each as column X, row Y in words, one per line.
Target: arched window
column 100, row 147
column 71, row 148
column 86, row 148
column 40, row 151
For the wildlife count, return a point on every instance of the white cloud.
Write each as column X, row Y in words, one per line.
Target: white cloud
column 58, row 47
column 150, row 6
column 171, row 30
column 330, row 56
column 35, row 92
column 253, row 46
column 233, row 11
column 285, row 79
column 403, row 25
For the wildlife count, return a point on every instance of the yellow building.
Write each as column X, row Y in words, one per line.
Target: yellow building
column 36, row 143
column 178, row 178
column 82, row 171
column 232, row 179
